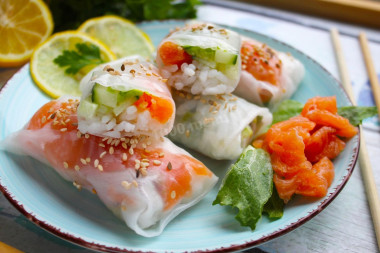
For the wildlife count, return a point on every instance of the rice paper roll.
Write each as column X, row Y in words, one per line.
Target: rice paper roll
column 200, row 58
column 217, row 126
column 268, row 76
column 146, row 183
column 126, row 97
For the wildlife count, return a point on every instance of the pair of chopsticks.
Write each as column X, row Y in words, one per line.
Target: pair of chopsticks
column 364, row 162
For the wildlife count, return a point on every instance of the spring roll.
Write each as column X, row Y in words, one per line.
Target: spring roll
column 126, row 97
column 201, row 58
column 267, row 76
column 144, row 182
column 217, row 126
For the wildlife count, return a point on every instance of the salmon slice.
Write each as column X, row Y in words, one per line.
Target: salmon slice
column 301, row 148
column 323, row 143
column 172, row 54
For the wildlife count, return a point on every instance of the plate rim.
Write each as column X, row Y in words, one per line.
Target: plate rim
column 233, row 247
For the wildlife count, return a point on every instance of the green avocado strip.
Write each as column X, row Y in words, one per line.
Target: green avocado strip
column 248, row 186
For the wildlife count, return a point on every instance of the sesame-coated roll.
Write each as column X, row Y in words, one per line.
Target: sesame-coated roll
column 267, row 76
column 201, row 58
column 126, row 97
column 144, row 182
column 218, row 126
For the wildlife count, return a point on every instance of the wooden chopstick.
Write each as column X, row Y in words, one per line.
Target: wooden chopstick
column 371, row 70
column 364, row 162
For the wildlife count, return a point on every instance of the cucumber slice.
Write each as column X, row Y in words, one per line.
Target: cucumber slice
column 207, row 54
column 131, row 95
column 225, row 57
column 87, row 109
column 104, row 95
column 246, row 136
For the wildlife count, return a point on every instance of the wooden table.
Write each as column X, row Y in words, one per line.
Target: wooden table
column 345, row 225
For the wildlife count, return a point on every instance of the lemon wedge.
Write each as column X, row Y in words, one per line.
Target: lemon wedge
column 52, row 78
column 23, row 25
column 120, row 35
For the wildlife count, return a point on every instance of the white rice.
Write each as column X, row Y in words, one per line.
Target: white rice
column 125, row 124
column 198, row 78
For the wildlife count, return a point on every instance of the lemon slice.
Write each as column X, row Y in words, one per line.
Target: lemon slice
column 23, row 25
column 119, row 34
column 52, row 78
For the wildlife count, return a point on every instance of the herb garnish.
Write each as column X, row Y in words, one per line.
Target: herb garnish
column 86, row 54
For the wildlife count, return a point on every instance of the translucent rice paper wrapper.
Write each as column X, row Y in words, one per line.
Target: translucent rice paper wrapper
column 292, row 73
column 214, row 125
column 167, row 181
column 203, row 76
column 128, row 74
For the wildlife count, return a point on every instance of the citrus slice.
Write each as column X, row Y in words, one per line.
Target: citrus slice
column 120, row 34
column 52, row 78
column 23, row 25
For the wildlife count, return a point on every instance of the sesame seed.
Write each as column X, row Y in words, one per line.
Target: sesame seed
column 144, row 145
column 145, row 160
column 96, row 163
column 122, row 139
column 148, row 142
column 63, row 129
column 144, row 164
column 102, row 145
column 137, row 166
column 55, row 122
column 43, row 120
column 126, row 185
column 173, row 194
column 157, row 162
column 86, row 136
column 103, row 154
column 162, row 154
column 79, row 134
column 111, row 150
column 66, row 165
column 67, row 120
column 88, row 159
column 109, row 141
column 78, row 186
column 123, row 207
column 100, row 167
column 117, row 142
column 131, row 151
column 135, row 184
column 83, row 161
column 105, row 138
column 76, row 167
column 124, row 145
column 144, row 172
column 94, row 191
column 187, row 133
column 170, row 167
column 234, row 107
column 125, row 157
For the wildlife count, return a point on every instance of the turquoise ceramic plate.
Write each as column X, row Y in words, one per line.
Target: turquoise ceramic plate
column 55, row 205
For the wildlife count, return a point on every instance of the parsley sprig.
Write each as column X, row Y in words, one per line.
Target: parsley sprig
column 86, row 54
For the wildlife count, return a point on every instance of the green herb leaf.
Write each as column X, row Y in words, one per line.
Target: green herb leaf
column 275, row 206
column 86, row 54
column 286, row 110
column 248, row 186
column 356, row 114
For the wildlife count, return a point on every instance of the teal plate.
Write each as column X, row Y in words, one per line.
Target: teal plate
column 54, row 204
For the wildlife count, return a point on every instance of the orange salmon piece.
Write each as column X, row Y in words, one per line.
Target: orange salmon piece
column 315, row 182
column 172, row 54
column 322, row 103
column 323, row 143
column 285, row 187
column 160, row 109
column 323, row 111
